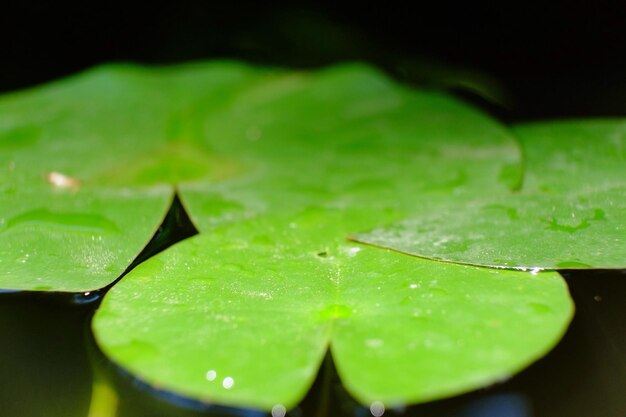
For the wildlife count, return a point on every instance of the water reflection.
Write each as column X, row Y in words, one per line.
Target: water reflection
column 228, row 382
column 377, row 408
column 498, row 405
column 279, row 410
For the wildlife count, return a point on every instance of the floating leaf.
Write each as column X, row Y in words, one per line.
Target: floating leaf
column 275, row 169
column 65, row 241
column 571, row 212
column 258, row 304
column 88, row 164
column 579, row 156
column 87, row 177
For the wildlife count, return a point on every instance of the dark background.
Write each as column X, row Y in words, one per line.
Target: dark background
column 538, row 61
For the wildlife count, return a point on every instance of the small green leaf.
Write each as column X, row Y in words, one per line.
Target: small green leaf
column 74, row 241
column 574, row 156
column 571, row 212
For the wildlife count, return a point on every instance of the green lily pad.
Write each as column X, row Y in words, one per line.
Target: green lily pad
column 573, row 156
column 275, row 169
column 244, row 315
column 88, row 167
column 571, row 212
column 74, row 241
column 74, row 150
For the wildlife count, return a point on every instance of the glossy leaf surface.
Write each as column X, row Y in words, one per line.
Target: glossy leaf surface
column 243, row 313
column 275, row 169
column 259, row 312
column 87, row 168
column 73, row 150
column 571, row 212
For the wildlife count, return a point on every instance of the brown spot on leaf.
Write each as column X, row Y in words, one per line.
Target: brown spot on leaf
column 59, row 180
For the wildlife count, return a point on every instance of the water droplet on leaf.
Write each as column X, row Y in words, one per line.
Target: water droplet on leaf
column 228, row 382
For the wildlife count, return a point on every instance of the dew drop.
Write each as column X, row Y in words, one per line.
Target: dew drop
column 413, row 286
column 377, row 408
column 228, row 382
column 86, row 297
column 211, row 375
column 374, row 343
column 279, row 410
column 353, row 250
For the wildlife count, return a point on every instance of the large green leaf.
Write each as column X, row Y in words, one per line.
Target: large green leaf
column 571, row 212
column 258, row 304
column 88, row 164
column 72, row 151
column 275, row 169
column 347, row 137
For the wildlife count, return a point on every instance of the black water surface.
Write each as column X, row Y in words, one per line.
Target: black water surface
column 44, row 367
column 553, row 59
column 46, row 347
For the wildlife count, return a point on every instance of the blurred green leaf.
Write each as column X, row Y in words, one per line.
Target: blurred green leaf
column 571, row 212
